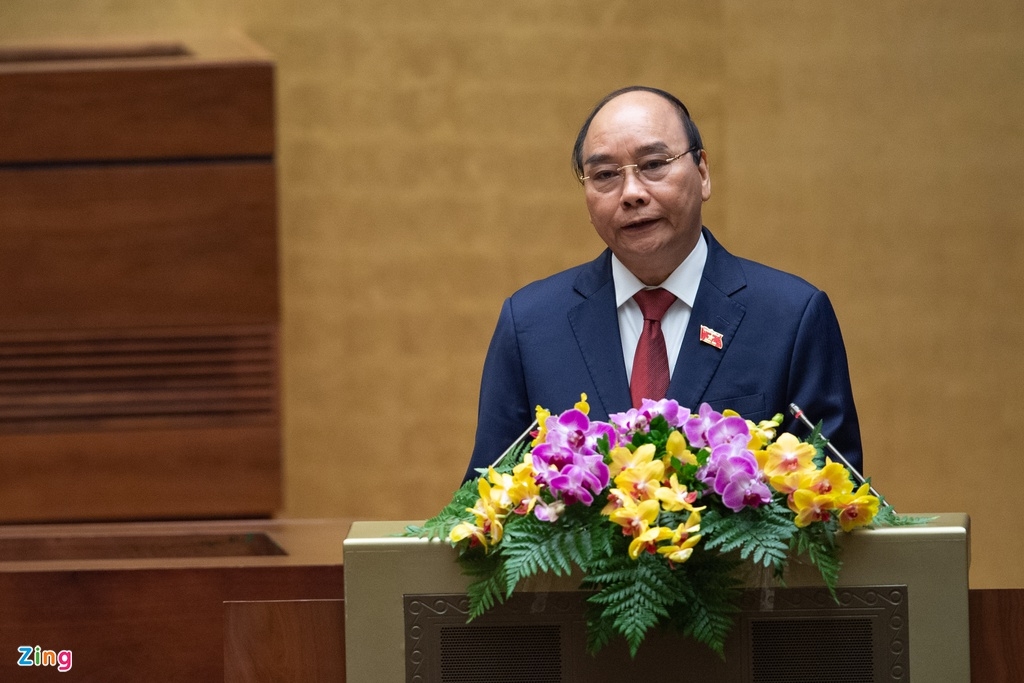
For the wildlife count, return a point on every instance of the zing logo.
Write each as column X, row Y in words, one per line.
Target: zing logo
column 36, row 656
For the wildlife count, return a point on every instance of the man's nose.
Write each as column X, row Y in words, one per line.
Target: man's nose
column 634, row 191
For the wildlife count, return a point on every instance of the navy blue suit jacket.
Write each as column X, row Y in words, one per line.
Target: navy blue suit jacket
column 559, row 336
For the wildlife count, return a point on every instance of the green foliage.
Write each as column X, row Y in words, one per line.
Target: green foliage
column 818, row 543
column 712, row 595
column 489, row 589
column 531, row 546
column 887, row 517
column 454, row 512
column 761, row 535
column 635, row 595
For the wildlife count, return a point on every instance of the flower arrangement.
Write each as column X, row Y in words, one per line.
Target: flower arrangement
column 660, row 509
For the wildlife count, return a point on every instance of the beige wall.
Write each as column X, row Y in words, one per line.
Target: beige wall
column 875, row 148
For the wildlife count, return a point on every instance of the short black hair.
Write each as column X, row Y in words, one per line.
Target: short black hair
column 692, row 134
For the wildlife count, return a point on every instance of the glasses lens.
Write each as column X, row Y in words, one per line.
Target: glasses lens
column 606, row 178
column 654, row 167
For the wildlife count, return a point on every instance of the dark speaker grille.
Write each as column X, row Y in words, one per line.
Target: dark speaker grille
column 812, row 651
column 500, row 654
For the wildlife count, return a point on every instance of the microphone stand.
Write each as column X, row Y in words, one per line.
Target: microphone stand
column 512, row 445
column 798, row 413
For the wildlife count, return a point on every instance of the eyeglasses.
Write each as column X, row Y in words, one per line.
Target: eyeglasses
column 650, row 168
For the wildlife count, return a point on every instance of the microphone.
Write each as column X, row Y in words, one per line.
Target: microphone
column 798, row 413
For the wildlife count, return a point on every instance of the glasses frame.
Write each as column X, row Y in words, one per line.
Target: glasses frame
column 620, row 170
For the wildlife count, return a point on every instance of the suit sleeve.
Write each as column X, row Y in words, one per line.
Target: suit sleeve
column 820, row 379
column 504, row 410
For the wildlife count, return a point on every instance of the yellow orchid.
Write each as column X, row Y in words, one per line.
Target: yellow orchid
column 497, row 492
column 582, row 405
column 789, row 455
column 489, row 519
column 647, row 540
column 617, row 498
column 675, row 497
column 488, row 528
column 832, row 479
column 810, row 507
column 686, row 536
column 524, row 491
column 494, row 494
column 465, row 530
column 542, row 431
column 642, row 481
column 857, row 509
column 788, row 483
column 635, row 518
column 675, row 447
column 762, row 433
column 624, row 459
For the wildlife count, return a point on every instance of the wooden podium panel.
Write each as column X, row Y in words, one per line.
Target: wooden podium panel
column 138, row 241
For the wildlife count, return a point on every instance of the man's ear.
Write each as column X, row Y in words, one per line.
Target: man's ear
column 705, row 176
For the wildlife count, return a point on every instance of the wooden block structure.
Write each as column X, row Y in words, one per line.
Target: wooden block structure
column 176, row 601
column 138, row 246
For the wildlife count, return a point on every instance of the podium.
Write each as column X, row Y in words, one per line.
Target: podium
column 902, row 616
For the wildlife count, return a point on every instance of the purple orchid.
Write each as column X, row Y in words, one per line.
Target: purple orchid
column 574, row 430
column 548, row 459
column 731, row 430
column 639, row 419
column 568, row 461
column 577, row 484
column 738, row 481
column 696, row 428
column 719, row 455
column 549, row 512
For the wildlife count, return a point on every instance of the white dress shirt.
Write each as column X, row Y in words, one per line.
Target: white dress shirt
column 683, row 282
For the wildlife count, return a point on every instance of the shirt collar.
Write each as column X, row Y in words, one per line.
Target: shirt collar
column 683, row 282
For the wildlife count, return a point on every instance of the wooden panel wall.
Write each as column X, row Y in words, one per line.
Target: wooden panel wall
column 139, row 331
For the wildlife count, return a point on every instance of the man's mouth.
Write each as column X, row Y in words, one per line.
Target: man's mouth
column 639, row 224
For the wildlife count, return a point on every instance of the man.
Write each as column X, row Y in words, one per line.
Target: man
column 729, row 332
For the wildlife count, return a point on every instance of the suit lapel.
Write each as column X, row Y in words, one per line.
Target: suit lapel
column 713, row 308
column 595, row 324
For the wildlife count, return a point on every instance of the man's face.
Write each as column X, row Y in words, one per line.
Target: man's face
column 650, row 226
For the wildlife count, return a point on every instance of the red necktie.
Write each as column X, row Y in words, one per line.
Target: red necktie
column 650, row 363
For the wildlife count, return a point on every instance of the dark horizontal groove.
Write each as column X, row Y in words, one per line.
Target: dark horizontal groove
column 133, row 408
column 50, row 53
column 147, row 358
column 136, row 370
column 80, row 384
column 36, row 347
column 103, row 163
column 19, row 353
column 225, row 411
column 136, row 395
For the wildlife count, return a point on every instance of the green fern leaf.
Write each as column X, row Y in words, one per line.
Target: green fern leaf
column 453, row 513
column 761, row 535
column 488, row 587
column 638, row 600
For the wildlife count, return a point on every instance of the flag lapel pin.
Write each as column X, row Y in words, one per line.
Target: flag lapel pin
column 710, row 337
